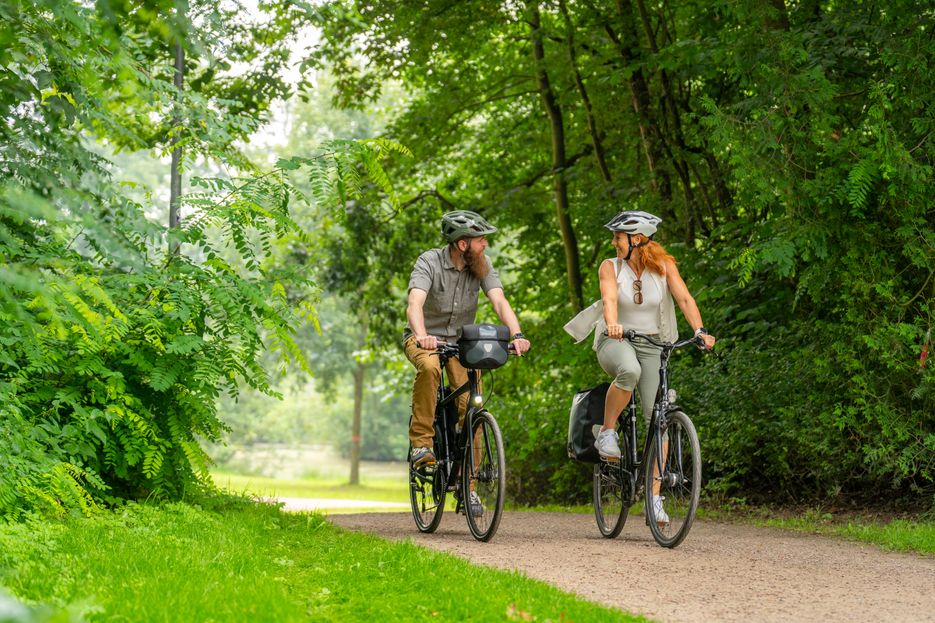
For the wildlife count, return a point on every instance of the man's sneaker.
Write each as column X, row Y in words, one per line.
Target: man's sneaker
column 607, row 445
column 662, row 518
column 474, row 504
column 421, row 456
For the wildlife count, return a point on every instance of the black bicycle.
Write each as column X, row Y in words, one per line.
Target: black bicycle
column 469, row 458
column 669, row 466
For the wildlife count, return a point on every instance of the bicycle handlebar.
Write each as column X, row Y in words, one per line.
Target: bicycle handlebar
column 630, row 334
column 696, row 340
column 452, row 349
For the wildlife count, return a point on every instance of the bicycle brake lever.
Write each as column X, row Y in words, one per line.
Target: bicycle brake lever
column 708, row 351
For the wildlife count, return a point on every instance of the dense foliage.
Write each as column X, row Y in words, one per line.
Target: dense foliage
column 787, row 146
column 116, row 347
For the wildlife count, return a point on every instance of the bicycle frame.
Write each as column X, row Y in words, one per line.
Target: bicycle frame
column 468, row 459
column 447, row 460
column 669, row 466
column 655, row 433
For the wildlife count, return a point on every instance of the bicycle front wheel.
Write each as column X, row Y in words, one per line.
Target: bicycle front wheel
column 427, row 495
column 483, row 476
column 611, row 497
column 676, row 480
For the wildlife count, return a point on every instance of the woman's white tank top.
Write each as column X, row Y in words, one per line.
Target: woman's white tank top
column 644, row 317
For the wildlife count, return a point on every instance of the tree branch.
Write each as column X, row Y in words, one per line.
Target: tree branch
column 569, row 162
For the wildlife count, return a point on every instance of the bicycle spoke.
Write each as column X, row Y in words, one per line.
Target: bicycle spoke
column 483, row 478
column 427, row 496
column 611, row 493
column 677, row 484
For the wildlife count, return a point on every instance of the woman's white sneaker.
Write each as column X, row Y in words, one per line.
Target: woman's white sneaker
column 662, row 517
column 607, row 445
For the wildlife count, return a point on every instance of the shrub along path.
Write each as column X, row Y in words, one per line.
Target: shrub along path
column 722, row 572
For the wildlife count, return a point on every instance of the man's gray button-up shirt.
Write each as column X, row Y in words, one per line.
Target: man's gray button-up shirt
column 451, row 294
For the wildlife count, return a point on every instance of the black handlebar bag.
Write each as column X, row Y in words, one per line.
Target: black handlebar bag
column 483, row 346
column 587, row 409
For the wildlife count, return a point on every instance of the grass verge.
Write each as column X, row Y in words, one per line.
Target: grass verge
column 379, row 490
column 549, row 508
column 896, row 534
column 251, row 562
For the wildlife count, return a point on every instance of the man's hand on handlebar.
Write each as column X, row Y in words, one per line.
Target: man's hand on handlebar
column 520, row 345
column 708, row 340
column 428, row 342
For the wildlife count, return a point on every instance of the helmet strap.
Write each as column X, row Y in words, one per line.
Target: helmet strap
column 629, row 248
column 633, row 246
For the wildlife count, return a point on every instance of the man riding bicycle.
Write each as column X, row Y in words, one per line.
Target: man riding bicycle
column 443, row 295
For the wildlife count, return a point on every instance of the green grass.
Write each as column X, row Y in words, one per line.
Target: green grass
column 377, row 489
column 251, row 562
column 548, row 508
column 899, row 534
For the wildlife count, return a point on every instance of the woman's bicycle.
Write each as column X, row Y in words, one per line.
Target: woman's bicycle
column 469, row 458
column 669, row 466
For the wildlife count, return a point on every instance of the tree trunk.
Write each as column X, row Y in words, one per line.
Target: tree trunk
column 360, row 372
column 554, row 112
column 671, row 110
column 780, row 19
column 175, row 175
column 583, row 92
column 725, row 199
column 628, row 46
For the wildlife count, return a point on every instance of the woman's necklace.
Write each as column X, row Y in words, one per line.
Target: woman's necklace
column 637, row 270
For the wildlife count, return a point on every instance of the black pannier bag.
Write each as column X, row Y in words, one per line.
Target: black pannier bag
column 587, row 409
column 483, row 346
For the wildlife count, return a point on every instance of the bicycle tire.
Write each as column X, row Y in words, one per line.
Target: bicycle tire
column 611, row 495
column 427, row 490
column 485, row 474
column 679, row 482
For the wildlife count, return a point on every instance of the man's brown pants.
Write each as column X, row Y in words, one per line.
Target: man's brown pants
column 425, row 388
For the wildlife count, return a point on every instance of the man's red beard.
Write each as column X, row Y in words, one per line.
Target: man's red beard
column 476, row 263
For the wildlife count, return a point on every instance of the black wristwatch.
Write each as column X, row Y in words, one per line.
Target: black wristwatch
column 518, row 336
column 701, row 331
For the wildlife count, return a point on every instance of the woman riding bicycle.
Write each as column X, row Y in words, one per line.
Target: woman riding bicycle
column 637, row 291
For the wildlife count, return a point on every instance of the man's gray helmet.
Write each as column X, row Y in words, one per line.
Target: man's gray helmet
column 634, row 222
column 464, row 224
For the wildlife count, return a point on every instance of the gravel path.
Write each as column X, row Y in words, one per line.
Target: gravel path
column 722, row 572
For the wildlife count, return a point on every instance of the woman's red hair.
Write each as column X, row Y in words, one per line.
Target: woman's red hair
column 655, row 257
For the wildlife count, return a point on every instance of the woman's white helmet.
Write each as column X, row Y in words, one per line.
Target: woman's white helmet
column 634, row 222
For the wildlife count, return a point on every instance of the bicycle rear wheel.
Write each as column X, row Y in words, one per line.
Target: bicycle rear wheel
column 611, row 497
column 483, row 474
column 679, row 481
column 427, row 495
